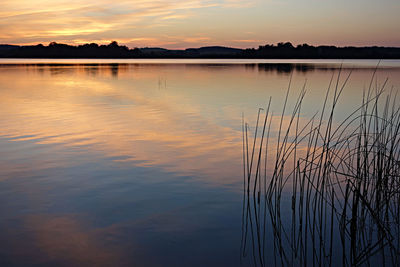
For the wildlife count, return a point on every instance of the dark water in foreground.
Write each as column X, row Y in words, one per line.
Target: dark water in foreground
column 139, row 163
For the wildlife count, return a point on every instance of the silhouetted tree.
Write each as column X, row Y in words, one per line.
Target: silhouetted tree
column 113, row 44
column 114, row 50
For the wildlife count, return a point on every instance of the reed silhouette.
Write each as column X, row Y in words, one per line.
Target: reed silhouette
column 331, row 193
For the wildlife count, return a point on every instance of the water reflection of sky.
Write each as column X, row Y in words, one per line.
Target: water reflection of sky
column 136, row 163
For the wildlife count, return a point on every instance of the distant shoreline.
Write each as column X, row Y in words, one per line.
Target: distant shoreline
column 116, row 51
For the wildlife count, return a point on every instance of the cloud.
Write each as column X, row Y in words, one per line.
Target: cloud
column 24, row 21
column 239, row 3
column 43, row 21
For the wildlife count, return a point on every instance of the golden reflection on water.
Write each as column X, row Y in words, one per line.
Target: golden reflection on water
column 63, row 241
column 127, row 120
column 181, row 118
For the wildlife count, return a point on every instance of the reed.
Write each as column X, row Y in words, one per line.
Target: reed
column 331, row 193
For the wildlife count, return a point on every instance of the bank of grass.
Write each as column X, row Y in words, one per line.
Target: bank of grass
column 342, row 180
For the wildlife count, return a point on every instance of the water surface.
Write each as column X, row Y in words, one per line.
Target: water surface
column 139, row 162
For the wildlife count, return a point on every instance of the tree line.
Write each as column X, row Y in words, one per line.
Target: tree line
column 283, row 50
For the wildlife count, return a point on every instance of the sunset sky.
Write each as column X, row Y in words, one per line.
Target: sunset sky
column 195, row 23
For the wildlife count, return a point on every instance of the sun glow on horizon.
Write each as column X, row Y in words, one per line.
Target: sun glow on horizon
column 194, row 23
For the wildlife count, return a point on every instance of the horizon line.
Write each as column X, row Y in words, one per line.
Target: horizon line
column 203, row 46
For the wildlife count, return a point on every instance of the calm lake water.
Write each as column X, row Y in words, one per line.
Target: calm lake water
column 139, row 162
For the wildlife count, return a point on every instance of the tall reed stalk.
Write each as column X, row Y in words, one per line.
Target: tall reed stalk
column 331, row 193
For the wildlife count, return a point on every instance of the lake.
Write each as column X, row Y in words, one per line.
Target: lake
column 140, row 162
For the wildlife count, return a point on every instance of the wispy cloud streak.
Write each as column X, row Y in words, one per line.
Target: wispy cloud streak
column 26, row 21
